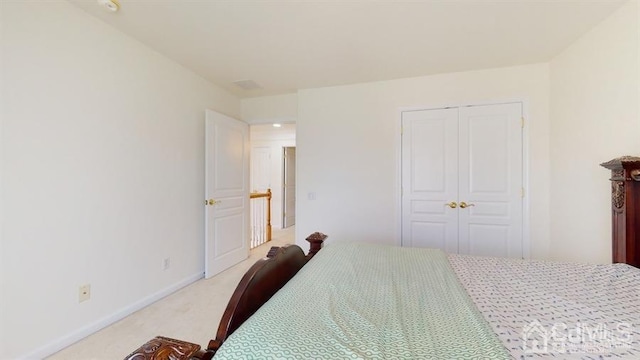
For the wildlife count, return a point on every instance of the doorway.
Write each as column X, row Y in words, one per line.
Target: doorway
column 289, row 187
column 267, row 165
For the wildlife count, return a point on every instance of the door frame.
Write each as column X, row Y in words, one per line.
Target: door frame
column 526, row 203
column 283, row 186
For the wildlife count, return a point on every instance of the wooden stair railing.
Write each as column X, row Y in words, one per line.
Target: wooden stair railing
column 261, row 224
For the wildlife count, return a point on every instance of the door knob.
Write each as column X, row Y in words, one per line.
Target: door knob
column 211, row 202
column 452, row 205
column 465, row 205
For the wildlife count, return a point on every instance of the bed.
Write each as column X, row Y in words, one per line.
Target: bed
column 364, row 301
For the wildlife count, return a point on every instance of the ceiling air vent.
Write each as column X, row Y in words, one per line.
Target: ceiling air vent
column 247, row 84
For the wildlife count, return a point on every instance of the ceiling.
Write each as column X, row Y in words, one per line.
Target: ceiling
column 286, row 45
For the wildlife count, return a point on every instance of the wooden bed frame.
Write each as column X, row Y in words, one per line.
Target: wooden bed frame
column 257, row 286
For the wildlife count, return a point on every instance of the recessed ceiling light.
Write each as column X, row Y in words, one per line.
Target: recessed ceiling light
column 111, row 5
column 277, row 125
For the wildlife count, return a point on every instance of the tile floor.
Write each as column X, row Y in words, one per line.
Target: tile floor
column 191, row 314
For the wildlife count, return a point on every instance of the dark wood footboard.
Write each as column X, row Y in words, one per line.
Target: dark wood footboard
column 257, row 286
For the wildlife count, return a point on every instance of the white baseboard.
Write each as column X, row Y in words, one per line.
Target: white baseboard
column 77, row 335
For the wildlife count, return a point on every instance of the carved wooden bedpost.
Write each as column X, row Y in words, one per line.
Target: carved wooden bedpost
column 166, row 348
column 315, row 240
column 625, row 208
column 256, row 287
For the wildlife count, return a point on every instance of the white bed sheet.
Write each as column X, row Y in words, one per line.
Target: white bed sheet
column 556, row 310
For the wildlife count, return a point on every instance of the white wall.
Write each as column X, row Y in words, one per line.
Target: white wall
column 348, row 149
column 270, row 109
column 3, row 305
column 274, row 139
column 103, row 174
column 594, row 102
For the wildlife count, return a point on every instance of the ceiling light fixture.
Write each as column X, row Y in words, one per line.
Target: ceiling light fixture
column 111, row 5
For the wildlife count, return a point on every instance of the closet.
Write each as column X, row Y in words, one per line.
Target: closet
column 462, row 179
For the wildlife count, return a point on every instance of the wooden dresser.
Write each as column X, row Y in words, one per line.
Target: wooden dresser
column 625, row 208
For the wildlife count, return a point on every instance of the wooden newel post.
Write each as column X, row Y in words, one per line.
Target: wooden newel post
column 315, row 240
column 625, row 209
column 269, row 215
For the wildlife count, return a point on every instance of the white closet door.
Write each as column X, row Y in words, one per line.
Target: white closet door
column 490, row 180
column 430, row 179
column 471, row 156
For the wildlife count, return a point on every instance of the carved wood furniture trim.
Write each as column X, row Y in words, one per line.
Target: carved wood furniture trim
column 257, row 286
column 161, row 348
column 315, row 240
column 625, row 209
column 260, row 282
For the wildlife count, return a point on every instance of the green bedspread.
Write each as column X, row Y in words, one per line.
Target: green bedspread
column 363, row 301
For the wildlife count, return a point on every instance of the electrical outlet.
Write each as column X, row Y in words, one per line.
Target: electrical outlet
column 84, row 293
column 166, row 263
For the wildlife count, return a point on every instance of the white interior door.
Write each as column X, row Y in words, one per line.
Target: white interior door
column 430, row 179
column 491, row 180
column 226, row 191
column 260, row 169
column 471, row 156
column 289, row 198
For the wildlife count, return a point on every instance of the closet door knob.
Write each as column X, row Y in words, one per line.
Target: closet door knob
column 465, row 205
column 452, row 204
